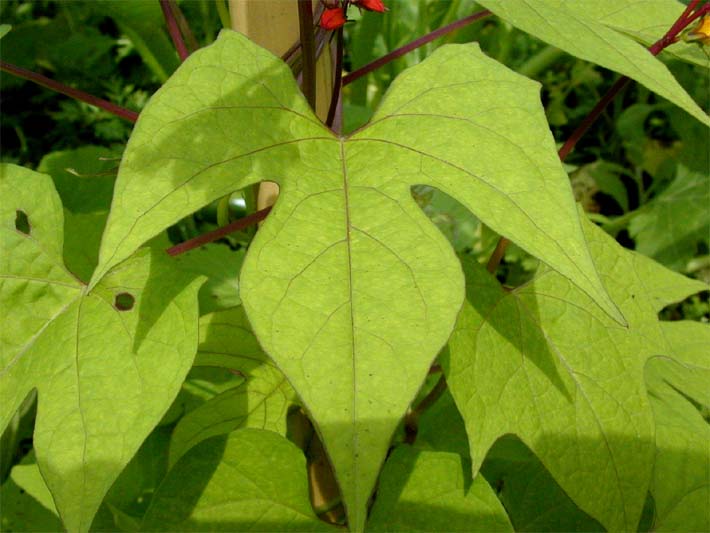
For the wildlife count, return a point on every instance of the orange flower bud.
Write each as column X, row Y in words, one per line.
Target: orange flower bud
column 371, row 5
column 332, row 18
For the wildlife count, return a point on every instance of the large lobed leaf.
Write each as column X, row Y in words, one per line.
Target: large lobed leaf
column 542, row 363
column 106, row 366
column 680, row 397
column 350, row 289
column 588, row 30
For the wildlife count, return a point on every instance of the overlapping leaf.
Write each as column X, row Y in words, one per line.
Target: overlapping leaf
column 531, row 497
column 221, row 266
column 251, row 480
column 106, row 363
column 350, row 289
column 260, row 401
column 26, row 502
column 577, row 31
column 541, row 363
column 425, row 491
column 680, row 398
column 644, row 20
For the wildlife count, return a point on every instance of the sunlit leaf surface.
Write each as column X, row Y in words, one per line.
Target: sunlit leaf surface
column 106, row 363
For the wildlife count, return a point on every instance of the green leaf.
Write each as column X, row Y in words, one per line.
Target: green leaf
column 540, row 363
column 251, row 480
column 442, row 429
column 132, row 492
column 221, row 266
column 461, row 228
column 227, row 341
column 202, row 383
column 669, row 228
column 143, row 23
column 426, row 491
column 534, row 501
column 644, row 20
column 28, row 477
column 85, row 185
column 4, row 30
column 27, row 510
column 577, row 31
column 681, row 406
column 106, row 363
column 662, row 286
column 260, row 401
column 347, row 285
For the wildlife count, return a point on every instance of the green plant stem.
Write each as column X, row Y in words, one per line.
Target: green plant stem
column 308, row 51
column 223, row 12
column 616, row 225
column 540, row 61
column 56, row 86
column 506, row 44
column 669, row 38
column 338, row 79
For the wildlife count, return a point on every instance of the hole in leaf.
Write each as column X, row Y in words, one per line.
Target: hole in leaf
column 124, row 301
column 22, row 223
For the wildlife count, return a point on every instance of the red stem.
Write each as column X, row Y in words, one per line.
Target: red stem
column 210, row 236
column 184, row 27
column 656, row 48
column 174, row 30
column 338, row 80
column 421, row 41
column 56, row 86
column 669, row 38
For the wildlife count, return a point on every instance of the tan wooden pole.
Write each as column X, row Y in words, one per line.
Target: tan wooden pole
column 273, row 24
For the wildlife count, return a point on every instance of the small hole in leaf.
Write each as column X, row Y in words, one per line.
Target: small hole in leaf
column 22, row 223
column 124, row 301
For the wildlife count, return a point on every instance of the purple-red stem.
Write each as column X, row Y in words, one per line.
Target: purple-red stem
column 421, row 41
column 56, row 86
column 656, row 48
column 174, row 29
column 210, row 236
column 669, row 38
column 337, row 81
column 185, row 30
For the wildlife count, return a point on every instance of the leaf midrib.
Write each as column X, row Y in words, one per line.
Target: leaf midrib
column 353, row 412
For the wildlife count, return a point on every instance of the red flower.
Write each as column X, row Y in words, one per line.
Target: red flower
column 332, row 18
column 371, row 5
